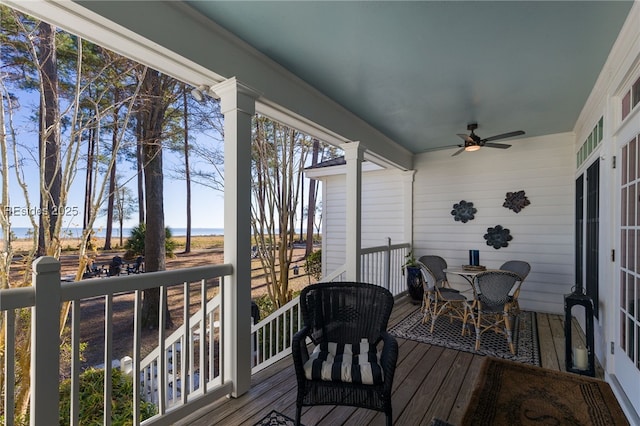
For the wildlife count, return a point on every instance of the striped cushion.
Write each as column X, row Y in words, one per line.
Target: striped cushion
column 353, row 363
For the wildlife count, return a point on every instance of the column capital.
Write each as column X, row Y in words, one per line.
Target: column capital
column 235, row 95
column 408, row 175
column 353, row 150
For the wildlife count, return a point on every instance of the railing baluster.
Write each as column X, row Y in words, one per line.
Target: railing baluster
column 187, row 376
column 211, row 374
column 258, row 341
column 278, row 328
column 387, row 265
column 162, row 361
column 9, row 365
column 207, row 373
column 75, row 363
column 291, row 326
column 108, row 351
column 203, row 336
column 137, row 338
column 172, row 371
column 192, row 347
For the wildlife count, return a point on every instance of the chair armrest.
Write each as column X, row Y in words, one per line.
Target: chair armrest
column 515, row 288
column 299, row 350
column 388, row 358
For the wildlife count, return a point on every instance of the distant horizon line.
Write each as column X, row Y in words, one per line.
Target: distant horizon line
column 75, row 232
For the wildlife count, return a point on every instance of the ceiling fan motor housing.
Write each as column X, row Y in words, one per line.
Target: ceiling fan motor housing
column 476, row 138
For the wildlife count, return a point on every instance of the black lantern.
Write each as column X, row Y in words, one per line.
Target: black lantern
column 579, row 359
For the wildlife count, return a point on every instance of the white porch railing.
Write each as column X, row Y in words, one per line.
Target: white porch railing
column 382, row 266
column 196, row 361
column 271, row 336
column 187, row 353
column 183, row 372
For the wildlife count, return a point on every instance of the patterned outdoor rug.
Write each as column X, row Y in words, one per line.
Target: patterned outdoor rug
column 510, row 393
column 276, row 419
column 447, row 334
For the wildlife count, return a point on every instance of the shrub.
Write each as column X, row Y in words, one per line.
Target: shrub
column 276, row 336
column 92, row 399
column 314, row 264
column 135, row 243
column 265, row 305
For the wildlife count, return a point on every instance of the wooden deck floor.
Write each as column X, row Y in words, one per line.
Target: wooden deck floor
column 430, row 381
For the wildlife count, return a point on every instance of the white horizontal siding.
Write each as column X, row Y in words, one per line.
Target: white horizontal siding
column 334, row 213
column 543, row 232
column 383, row 208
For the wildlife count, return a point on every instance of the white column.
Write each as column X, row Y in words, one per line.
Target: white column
column 353, row 154
column 45, row 342
column 407, row 188
column 237, row 103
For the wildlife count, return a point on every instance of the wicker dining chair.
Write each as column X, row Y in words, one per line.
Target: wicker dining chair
column 438, row 301
column 492, row 307
column 353, row 360
column 521, row 268
column 437, row 265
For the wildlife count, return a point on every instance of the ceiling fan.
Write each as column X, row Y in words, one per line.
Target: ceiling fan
column 473, row 142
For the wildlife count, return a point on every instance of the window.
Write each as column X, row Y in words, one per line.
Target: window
column 631, row 99
column 626, row 105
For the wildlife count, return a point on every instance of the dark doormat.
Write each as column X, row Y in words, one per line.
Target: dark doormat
column 511, row 393
column 275, row 418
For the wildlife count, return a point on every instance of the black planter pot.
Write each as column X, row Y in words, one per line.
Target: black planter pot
column 414, row 283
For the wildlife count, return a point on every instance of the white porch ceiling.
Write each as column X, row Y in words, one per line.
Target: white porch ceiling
column 420, row 71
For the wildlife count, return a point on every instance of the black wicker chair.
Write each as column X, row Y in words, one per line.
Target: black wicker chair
column 342, row 320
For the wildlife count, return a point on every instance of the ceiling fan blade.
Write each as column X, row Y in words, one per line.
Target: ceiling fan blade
column 457, row 152
column 497, row 145
column 504, row 136
column 466, row 138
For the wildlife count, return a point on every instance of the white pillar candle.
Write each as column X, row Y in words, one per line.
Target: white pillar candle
column 580, row 358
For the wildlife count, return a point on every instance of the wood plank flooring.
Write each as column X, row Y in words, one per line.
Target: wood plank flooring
column 430, row 381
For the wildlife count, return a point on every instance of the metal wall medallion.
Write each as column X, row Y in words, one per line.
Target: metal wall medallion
column 516, row 201
column 463, row 211
column 498, row 237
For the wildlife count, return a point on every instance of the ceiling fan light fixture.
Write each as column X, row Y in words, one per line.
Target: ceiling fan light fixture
column 470, row 148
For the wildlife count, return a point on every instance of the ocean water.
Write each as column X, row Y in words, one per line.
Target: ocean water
column 77, row 232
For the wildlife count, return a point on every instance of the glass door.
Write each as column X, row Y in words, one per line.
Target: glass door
column 592, row 229
column 627, row 359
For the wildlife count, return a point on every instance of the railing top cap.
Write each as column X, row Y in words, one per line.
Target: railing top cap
column 46, row 264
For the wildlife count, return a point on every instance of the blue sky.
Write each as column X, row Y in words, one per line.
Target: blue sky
column 207, row 204
column 206, row 211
